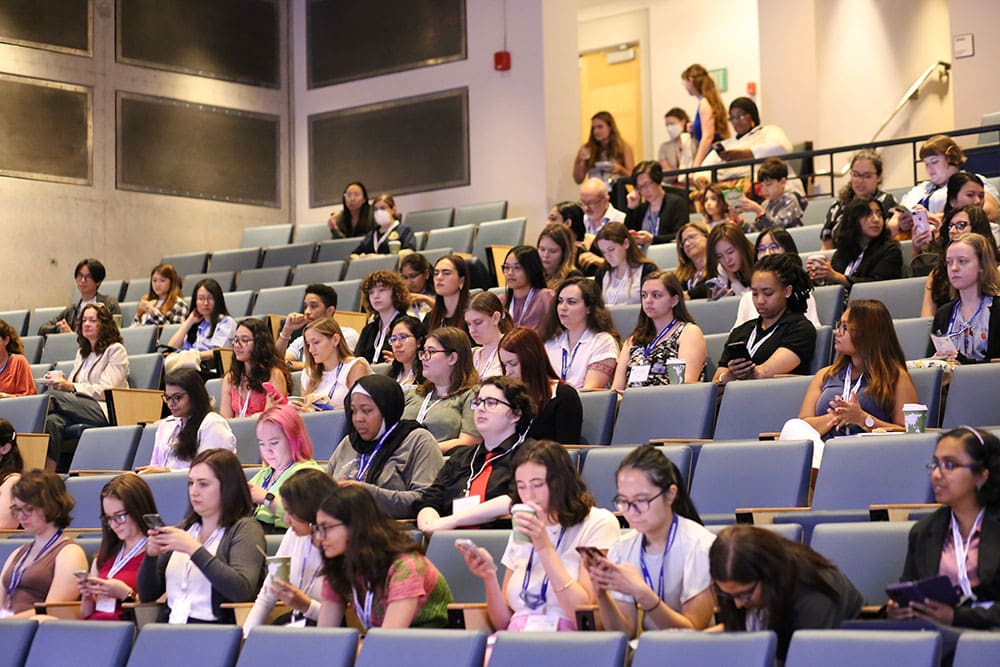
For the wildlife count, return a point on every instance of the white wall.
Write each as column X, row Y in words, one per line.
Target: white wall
column 975, row 79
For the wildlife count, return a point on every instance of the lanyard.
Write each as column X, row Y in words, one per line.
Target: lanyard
column 365, row 460
column 4, row 367
column 489, row 359
column 642, row 559
column 962, row 552
column 567, row 360
column 531, row 601
column 296, row 614
column 377, row 241
column 694, row 280
column 193, row 532
column 426, row 407
column 853, row 266
column 651, row 345
column 613, row 295
column 267, row 480
column 382, row 334
column 364, row 613
column 123, row 558
column 967, row 330
column 524, row 308
column 246, row 402
column 751, row 347
column 848, row 389
column 336, row 381
column 473, row 474
column 22, row 565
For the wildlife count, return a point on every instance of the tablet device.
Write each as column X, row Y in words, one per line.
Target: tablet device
column 937, row 588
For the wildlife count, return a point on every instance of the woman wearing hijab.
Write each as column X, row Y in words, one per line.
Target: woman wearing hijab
column 394, row 459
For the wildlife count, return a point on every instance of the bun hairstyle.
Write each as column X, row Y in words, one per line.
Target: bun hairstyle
column 788, row 270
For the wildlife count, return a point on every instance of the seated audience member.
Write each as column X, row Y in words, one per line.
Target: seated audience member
column 964, row 189
column 709, row 124
column 597, row 208
column 773, row 242
column 865, row 183
column 765, row 582
column 387, row 232
column 208, row 326
column 780, row 340
column 653, row 215
column 545, row 580
column 729, row 264
column 716, row 208
column 355, row 218
column 865, row 251
column 580, row 336
column 125, row 500
column 558, row 411
column 677, row 152
column 624, row 268
column 665, row 332
column 557, row 253
column 15, row 371
column 780, row 208
column 330, row 368
column 300, row 495
column 956, row 540
column 406, row 340
column 395, row 459
column 441, row 402
column 527, row 297
column 487, row 322
column 570, row 215
column 255, row 362
column 89, row 274
column 385, row 297
column 101, row 363
column 320, row 301
column 864, row 388
column 11, row 467
column 192, row 426
column 606, row 155
column 451, row 287
column 370, row 561
column 692, row 256
column 969, row 321
column 942, row 158
column 957, row 223
column 285, row 448
column 483, row 472
column 216, row 555
column 163, row 303
column 416, row 272
column 666, row 537
column 41, row 570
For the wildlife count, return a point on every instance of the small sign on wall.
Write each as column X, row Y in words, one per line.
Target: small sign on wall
column 963, row 45
column 721, row 78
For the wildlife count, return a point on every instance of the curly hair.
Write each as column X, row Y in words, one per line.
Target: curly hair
column 170, row 273
column 14, row 344
column 186, row 445
column 561, row 236
column 137, row 500
column 326, row 326
column 788, row 270
column 645, row 329
column 46, row 491
column 107, row 331
column 731, row 232
column 518, row 395
column 391, row 280
column 569, row 499
column 264, row 358
column 598, row 317
column 685, row 265
column 846, row 192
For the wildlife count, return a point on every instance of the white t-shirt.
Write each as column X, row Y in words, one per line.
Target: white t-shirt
column 599, row 529
column 487, row 361
column 298, row 346
column 624, row 291
column 593, row 347
column 186, row 581
column 332, row 387
column 305, row 573
column 685, row 573
column 214, row 433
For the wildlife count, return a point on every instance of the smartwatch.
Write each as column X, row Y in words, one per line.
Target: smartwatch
column 268, row 498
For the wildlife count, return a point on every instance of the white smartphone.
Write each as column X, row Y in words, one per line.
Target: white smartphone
column 920, row 224
column 465, row 545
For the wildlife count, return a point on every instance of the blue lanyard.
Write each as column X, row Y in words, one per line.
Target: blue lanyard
column 22, row 565
column 532, row 601
column 267, row 480
column 968, row 325
column 642, row 559
column 653, row 343
column 365, row 460
column 336, row 381
column 567, row 360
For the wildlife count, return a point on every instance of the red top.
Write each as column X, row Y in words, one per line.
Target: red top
column 127, row 574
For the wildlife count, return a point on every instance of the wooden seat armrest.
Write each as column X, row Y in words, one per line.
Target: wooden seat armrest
column 768, row 435
column 467, row 605
column 579, row 447
column 897, row 511
column 676, row 441
column 127, row 406
column 469, row 616
column 871, row 611
column 80, row 473
column 68, row 610
column 588, row 617
column 763, row 515
column 241, row 610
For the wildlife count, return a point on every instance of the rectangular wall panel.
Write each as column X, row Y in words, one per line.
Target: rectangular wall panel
column 56, row 25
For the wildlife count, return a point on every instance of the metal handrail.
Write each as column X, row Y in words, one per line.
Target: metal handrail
column 910, row 94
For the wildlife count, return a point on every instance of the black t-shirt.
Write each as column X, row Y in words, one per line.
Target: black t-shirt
column 792, row 331
column 561, row 418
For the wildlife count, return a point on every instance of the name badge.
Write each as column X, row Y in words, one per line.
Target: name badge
column 297, row 623
column 638, row 374
column 542, row 623
column 464, row 503
column 106, row 605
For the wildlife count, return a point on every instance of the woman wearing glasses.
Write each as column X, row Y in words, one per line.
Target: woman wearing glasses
column 41, row 570
column 441, row 402
column 473, row 486
column 370, row 561
column 407, row 337
column 960, row 538
column 300, row 495
column 255, row 362
column 765, row 582
column 661, row 565
column 487, row 322
column 330, row 368
column 527, row 297
column 957, row 223
column 192, row 426
column 545, row 581
column 866, row 181
column 124, row 502
column 394, row 459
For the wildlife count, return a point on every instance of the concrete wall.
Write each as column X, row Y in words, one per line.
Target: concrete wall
column 975, row 90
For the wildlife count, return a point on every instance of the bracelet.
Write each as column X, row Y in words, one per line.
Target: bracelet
column 566, row 585
column 281, row 334
column 655, row 605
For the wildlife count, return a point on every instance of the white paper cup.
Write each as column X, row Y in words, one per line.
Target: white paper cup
column 514, row 511
column 279, row 567
column 915, row 417
column 675, row 371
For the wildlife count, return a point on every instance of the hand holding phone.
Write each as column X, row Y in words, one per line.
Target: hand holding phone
column 738, row 350
column 154, row 521
column 274, row 394
column 920, row 224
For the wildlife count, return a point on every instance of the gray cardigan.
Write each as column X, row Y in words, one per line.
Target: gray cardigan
column 235, row 571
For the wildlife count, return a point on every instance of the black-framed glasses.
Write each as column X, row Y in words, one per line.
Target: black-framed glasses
column 427, row 352
column 742, row 597
column 952, row 466
column 118, row 517
column 489, row 403
column 960, row 225
column 174, row 399
column 639, row 505
column 21, row 510
column 321, row 529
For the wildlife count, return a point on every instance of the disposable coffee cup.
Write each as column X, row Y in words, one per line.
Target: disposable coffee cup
column 514, row 511
column 394, row 247
column 675, row 371
column 816, row 259
column 117, row 317
column 279, row 567
column 915, row 417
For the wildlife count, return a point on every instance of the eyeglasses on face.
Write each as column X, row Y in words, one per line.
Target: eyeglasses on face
column 489, row 403
column 951, row 466
column 863, row 176
column 111, row 519
column 428, row 352
column 400, row 338
column 174, row 399
column 637, row 505
column 840, row 328
column 21, row 510
column 960, row 225
column 742, row 597
column 321, row 529
column 243, row 341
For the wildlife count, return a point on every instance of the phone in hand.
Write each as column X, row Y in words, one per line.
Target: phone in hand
column 920, row 224
column 273, row 392
column 81, row 576
column 738, row 350
column 154, row 521
column 466, row 545
column 718, row 148
column 590, row 555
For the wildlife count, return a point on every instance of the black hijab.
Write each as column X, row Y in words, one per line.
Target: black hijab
column 388, row 396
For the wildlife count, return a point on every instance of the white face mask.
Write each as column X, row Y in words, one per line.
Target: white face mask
column 674, row 130
column 382, row 217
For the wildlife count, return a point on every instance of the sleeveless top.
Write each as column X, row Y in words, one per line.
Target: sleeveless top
column 37, row 579
column 833, row 387
column 256, row 404
column 127, row 574
column 665, row 350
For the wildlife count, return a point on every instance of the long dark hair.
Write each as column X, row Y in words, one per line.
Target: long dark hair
column 984, row 449
column 731, row 232
column 531, row 264
column 137, row 500
column 662, row 473
column 536, row 370
column 569, row 499
column 598, row 317
column 11, row 462
column 108, row 333
column 615, row 148
column 234, row 494
column 343, row 220
column 956, row 182
column 375, row 541
column 438, row 317
column 645, row 329
column 304, row 490
column 849, row 238
column 188, row 379
column 415, row 327
column 170, row 273
column 264, row 358
column 219, row 309
column 788, row 270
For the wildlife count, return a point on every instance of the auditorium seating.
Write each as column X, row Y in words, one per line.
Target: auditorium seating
column 747, row 649
column 836, row 648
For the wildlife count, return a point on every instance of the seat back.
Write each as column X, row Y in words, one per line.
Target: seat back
column 976, row 649
column 829, row 648
column 508, row 232
column 59, row 347
column 86, row 491
column 458, row 238
column 138, row 340
column 312, row 233
column 145, row 371
column 672, row 411
column 226, row 279
column 187, row 263
column 432, row 255
column 26, row 413
column 425, row 221
column 858, row 472
column 266, row 235
column 790, row 531
column 598, row 416
column 170, row 489
column 625, row 317
column 747, row 649
column 279, row 300
column 33, row 347
column 247, row 447
column 291, row 254
column 473, row 214
column 348, row 294
column 81, row 643
column 829, row 303
column 928, row 382
column 870, row 554
column 17, row 319
column 972, row 395
column 465, row 586
column 402, row 648
column 15, row 637
column 902, row 297
column 358, row 269
column 753, row 407
column 751, row 474
column 806, row 238
column 255, row 279
column 235, row 260
column 914, row 334
column 664, row 255
column 203, row 645
column 326, row 429
column 580, row 649
column 144, row 450
column 599, row 467
column 269, row 645
column 823, row 349
column 335, row 249
column 320, row 272
column 714, row 316
column 111, row 448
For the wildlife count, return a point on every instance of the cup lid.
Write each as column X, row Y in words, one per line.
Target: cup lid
column 913, row 406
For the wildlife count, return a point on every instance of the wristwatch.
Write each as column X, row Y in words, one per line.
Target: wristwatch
column 268, row 498
column 869, row 422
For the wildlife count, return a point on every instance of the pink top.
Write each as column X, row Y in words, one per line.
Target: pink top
column 256, row 404
column 529, row 311
column 947, row 565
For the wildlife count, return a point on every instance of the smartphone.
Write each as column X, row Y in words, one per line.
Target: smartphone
column 592, row 555
column 718, row 148
column 154, row 521
column 274, row 393
column 920, row 224
column 738, row 350
column 465, row 545
column 81, row 575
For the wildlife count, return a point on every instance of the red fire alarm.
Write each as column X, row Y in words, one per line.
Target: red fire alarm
column 501, row 61
column 751, row 88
